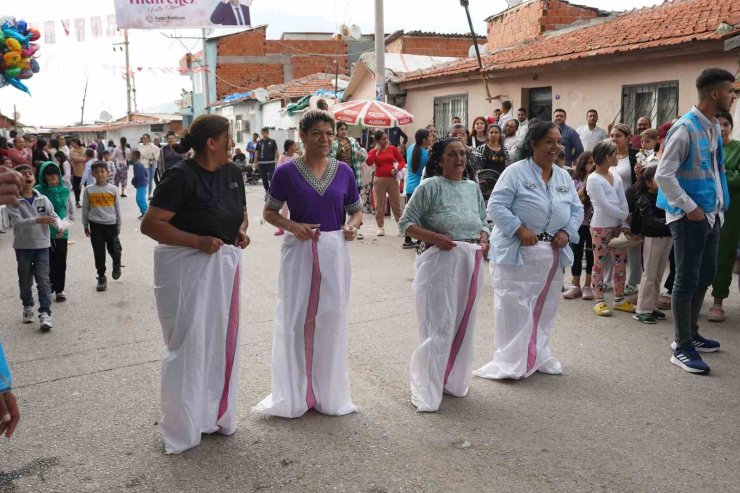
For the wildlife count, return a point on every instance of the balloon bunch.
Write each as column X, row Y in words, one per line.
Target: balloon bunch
column 17, row 53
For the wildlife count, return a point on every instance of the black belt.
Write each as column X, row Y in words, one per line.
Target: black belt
column 545, row 237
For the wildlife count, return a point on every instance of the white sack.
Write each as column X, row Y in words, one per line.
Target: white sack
column 446, row 287
column 525, row 301
column 198, row 304
column 309, row 337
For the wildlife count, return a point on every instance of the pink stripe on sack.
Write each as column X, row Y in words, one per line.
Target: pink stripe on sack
column 310, row 325
column 532, row 350
column 232, row 333
column 460, row 334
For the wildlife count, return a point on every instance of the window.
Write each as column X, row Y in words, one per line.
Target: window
column 540, row 103
column 239, row 129
column 658, row 101
column 447, row 107
column 156, row 128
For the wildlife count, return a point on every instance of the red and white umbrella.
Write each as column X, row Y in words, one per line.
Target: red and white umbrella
column 371, row 114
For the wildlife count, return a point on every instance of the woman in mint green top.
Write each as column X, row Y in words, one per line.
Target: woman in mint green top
column 729, row 235
column 447, row 208
column 446, row 212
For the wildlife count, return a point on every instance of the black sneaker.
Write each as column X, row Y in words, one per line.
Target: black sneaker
column 408, row 245
column 658, row 315
column 102, row 284
column 116, row 271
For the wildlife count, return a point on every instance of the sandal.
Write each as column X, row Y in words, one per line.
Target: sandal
column 572, row 293
column 716, row 314
column 602, row 309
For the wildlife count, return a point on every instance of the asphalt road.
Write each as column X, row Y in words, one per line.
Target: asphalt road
column 621, row 418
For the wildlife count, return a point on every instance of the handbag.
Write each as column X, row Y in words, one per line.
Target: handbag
column 624, row 241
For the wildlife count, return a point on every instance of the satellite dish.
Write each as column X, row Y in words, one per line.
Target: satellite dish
column 105, row 116
column 352, row 32
column 260, row 94
column 482, row 48
column 355, row 32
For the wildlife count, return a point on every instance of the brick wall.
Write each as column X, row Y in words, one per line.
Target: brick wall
column 395, row 46
column 266, row 72
column 529, row 20
column 436, row 46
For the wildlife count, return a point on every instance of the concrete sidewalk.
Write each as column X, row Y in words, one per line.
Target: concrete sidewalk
column 621, row 418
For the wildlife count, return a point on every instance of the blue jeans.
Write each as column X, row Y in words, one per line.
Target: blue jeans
column 34, row 264
column 152, row 170
column 141, row 199
column 695, row 246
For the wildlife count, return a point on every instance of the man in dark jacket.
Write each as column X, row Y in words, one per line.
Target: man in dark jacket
column 231, row 13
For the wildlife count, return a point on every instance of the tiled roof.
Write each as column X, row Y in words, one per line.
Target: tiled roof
column 668, row 24
column 432, row 34
column 304, row 86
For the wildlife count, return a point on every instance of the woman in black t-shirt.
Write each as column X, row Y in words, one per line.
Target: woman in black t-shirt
column 199, row 217
column 495, row 155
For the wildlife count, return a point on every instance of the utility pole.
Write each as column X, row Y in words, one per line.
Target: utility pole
column 206, row 80
column 84, row 97
column 128, row 76
column 379, row 52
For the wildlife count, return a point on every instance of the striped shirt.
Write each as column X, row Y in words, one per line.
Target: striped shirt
column 100, row 205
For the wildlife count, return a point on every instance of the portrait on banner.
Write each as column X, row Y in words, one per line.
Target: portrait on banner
column 175, row 14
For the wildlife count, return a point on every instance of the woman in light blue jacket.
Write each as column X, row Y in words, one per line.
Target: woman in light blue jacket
column 537, row 213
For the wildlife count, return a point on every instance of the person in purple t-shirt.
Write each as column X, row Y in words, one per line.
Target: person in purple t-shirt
column 309, row 365
column 320, row 192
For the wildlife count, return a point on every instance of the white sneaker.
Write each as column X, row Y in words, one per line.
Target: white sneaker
column 45, row 320
column 381, row 232
column 360, row 236
column 27, row 314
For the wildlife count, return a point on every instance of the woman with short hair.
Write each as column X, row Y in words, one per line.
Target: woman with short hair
column 447, row 213
column 198, row 215
column 537, row 213
column 309, row 366
column 495, row 155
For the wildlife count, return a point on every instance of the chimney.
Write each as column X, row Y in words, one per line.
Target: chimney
column 532, row 18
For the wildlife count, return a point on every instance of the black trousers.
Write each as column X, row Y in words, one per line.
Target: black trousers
column 58, row 264
column 77, row 187
column 583, row 247
column 104, row 237
column 266, row 172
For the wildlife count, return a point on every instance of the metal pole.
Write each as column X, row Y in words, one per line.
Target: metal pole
column 465, row 4
column 128, row 76
column 84, row 97
column 379, row 52
column 206, row 80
